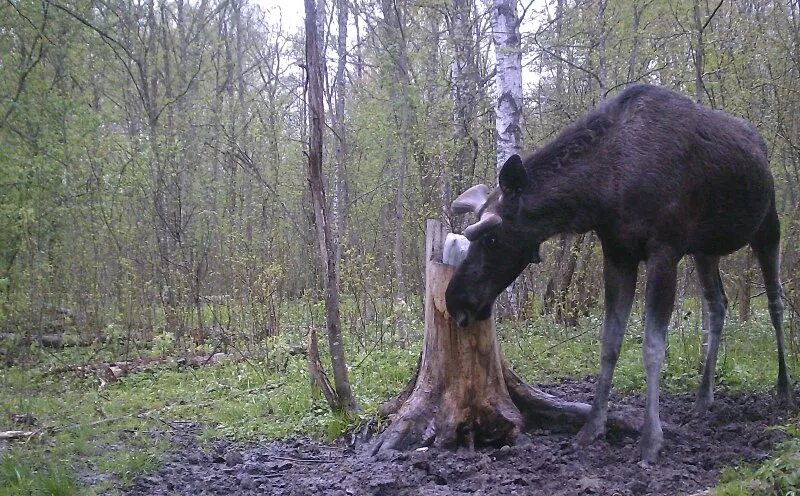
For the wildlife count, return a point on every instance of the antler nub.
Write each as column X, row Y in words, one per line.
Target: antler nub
column 471, row 200
column 478, row 229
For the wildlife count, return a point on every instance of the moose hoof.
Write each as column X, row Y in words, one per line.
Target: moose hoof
column 702, row 404
column 785, row 400
column 650, row 446
column 590, row 432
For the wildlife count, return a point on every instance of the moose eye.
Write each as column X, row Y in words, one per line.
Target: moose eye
column 489, row 241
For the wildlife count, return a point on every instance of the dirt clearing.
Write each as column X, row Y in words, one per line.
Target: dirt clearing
column 736, row 430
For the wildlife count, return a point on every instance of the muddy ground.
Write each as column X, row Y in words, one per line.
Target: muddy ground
column 735, row 431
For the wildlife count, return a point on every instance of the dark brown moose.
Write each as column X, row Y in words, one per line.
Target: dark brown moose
column 657, row 177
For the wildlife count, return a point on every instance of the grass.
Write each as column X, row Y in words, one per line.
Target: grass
column 51, row 479
column 542, row 352
column 246, row 401
column 265, row 398
column 780, row 475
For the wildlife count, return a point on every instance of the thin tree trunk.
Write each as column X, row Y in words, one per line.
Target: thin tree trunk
column 316, row 116
column 699, row 91
column 601, row 47
column 359, row 49
column 402, row 166
column 637, row 17
column 339, row 128
column 568, row 275
column 699, row 55
column 464, row 74
column 745, row 286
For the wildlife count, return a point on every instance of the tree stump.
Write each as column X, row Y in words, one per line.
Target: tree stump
column 464, row 393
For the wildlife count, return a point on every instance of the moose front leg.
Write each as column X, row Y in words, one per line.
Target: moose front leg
column 659, row 300
column 620, row 287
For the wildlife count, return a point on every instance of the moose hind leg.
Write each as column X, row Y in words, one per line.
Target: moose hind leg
column 766, row 246
column 659, row 300
column 716, row 304
column 620, row 288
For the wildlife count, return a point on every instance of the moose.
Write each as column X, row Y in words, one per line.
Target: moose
column 656, row 176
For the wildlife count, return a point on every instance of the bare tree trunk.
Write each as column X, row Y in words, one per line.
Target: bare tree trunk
column 316, row 116
column 549, row 300
column 394, row 13
column 339, row 128
column 567, row 277
column 359, row 49
column 699, row 55
column 745, row 286
column 557, row 51
column 601, row 47
column 402, row 167
column 464, row 73
column 699, row 91
column 632, row 60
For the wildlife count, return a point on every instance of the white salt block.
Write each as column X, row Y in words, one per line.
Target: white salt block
column 455, row 249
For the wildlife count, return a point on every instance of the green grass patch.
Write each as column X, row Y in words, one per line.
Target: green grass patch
column 544, row 352
column 780, row 475
column 121, row 429
column 19, row 478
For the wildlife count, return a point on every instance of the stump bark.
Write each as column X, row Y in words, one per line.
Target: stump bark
column 464, row 393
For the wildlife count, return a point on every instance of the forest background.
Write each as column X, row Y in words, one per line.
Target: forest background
column 155, row 200
column 153, row 172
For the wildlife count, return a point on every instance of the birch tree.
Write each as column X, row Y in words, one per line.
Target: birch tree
column 508, row 80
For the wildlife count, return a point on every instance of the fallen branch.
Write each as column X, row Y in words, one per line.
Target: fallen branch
column 303, row 460
column 11, row 435
column 112, row 371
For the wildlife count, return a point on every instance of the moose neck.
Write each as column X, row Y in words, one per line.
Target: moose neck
column 568, row 196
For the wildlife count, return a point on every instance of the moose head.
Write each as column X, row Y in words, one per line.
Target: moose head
column 503, row 242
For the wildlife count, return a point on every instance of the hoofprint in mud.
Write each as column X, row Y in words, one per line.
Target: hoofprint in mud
column 736, row 430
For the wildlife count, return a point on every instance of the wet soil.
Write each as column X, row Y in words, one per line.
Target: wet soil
column 735, row 431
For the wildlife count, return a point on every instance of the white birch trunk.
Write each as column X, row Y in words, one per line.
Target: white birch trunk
column 508, row 81
column 508, row 106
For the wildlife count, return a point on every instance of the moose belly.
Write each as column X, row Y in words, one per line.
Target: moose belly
column 713, row 222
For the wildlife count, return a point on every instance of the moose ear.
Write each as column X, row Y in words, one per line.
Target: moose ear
column 513, row 176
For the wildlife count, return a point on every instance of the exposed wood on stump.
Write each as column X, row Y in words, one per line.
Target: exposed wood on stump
column 463, row 392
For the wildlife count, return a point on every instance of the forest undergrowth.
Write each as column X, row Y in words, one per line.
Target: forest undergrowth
column 91, row 434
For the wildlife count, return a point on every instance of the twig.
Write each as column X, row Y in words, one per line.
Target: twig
column 302, row 460
column 571, row 338
column 712, row 15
